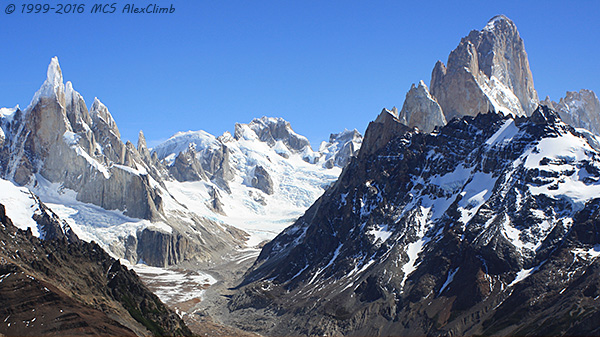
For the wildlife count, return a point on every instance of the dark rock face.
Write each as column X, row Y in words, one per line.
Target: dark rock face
column 473, row 229
column 262, row 180
column 69, row 287
column 158, row 248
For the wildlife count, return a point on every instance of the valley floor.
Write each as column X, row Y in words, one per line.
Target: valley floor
column 199, row 293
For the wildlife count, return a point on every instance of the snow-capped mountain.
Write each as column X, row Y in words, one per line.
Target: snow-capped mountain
column 483, row 227
column 173, row 204
column 107, row 190
column 481, row 220
column 260, row 179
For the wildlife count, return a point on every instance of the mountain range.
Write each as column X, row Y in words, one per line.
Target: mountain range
column 472, row 210
column 175, row 203
column 196, row 198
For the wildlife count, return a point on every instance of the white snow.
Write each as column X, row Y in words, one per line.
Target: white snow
column 174, row 286
column 492, row 23
column 501, row 97
column 70, row 138
column 297, row 184
column 52, row 86
column 506, row 133
column 532, row 237
column 381, row 233
column 179, row 142
column 8, row 113
column 523, row 274
column 20, row 206
column 412, row 250
column 566, row 152
column 281, row 149
column 161, row 226
column 134, row 171
column 590, row 253
column 452, row 181
column 475, row 194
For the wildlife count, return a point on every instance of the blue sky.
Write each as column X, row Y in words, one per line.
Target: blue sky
column 322, row 65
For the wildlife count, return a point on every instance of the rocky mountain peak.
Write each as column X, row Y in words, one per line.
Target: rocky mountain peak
column 345, row 136
column 421, row 110
column 142, row 148
column 500, row 24
column 54, row 73
column 544, row 115
column 379, row 132
column 99, row 111
column 489, row 70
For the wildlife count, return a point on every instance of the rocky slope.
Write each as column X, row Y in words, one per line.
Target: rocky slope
column 64, row 286
column 488, row 226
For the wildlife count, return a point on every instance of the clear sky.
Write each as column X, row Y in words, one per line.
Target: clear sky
column 322, row 65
